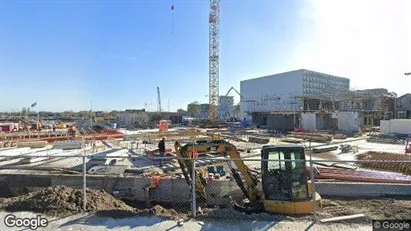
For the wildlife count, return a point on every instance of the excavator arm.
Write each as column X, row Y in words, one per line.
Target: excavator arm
column 249, row 189
column 186, row 165
column 251, row 180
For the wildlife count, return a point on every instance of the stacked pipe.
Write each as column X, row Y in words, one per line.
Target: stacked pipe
column 360, row 176
column 396, row 167
column 315, row 137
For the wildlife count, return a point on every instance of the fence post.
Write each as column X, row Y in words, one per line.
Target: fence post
column 84, row 184
column 193, row 188
column 314, row 191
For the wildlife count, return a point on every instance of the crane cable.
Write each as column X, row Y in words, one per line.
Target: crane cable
column 172, row 18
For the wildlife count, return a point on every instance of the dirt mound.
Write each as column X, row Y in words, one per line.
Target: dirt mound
column 61, row 201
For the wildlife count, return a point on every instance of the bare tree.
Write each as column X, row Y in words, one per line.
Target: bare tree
column 141, row 120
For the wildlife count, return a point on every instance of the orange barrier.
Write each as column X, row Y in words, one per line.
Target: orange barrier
column 163, row 125
column 156, row 180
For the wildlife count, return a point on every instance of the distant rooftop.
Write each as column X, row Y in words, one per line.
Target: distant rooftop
column 298, row 70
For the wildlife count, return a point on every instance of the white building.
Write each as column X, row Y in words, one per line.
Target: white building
column 128, row 117
column 289, row 91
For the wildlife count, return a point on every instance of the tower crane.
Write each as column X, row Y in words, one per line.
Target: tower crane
column 214, row 58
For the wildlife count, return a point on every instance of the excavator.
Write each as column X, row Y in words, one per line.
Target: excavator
column 286, row 188
column 213, row 145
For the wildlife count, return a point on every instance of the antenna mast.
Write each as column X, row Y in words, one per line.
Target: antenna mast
column 158, row 100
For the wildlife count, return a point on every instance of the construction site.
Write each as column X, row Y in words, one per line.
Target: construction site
column 130, row 169
column 303, row 146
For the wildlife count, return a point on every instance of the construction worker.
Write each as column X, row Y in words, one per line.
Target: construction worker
column 162, row 149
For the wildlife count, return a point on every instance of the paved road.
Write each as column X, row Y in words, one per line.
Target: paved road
column 91, row 222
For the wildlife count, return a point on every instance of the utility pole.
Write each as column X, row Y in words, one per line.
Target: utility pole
column 91, row 109
column 158, row 100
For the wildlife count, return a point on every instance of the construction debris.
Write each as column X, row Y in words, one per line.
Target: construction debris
column 385, row 139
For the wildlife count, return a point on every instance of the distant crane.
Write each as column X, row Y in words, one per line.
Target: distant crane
column 232, row 119
column 232, row 88
column 158, row 100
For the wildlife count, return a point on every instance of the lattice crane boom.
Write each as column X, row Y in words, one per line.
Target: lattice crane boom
column 214, row 37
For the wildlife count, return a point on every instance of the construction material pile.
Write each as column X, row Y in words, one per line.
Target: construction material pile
column 314, row 137
column 386, row 165
column 61, row 201
column 385, row 139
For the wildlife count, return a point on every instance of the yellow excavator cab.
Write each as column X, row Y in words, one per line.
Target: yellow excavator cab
column 286, row 184
column 216, row 137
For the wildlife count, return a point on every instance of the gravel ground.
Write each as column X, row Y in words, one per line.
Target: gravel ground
column 374, row 209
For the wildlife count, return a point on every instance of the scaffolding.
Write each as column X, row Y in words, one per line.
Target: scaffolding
column 372, row 106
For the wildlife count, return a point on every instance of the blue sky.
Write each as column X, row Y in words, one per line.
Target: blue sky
column 64, row 54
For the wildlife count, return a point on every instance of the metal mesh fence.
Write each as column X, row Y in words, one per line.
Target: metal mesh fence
column 130, row 181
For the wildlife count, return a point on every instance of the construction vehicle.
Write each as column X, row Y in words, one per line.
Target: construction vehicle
column 213, row 145
column 286, row 188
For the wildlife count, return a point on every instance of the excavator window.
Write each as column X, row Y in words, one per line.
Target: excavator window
column 284, row 178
